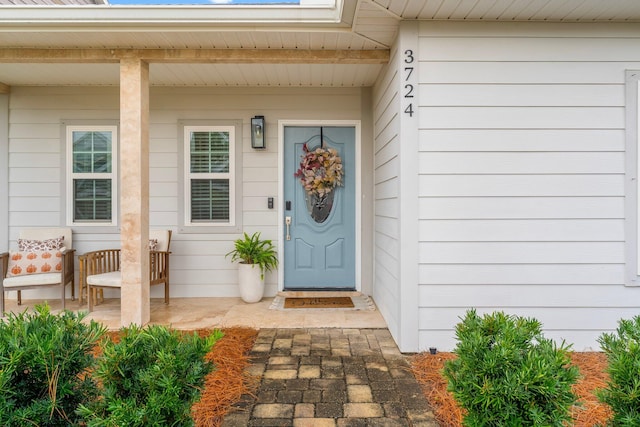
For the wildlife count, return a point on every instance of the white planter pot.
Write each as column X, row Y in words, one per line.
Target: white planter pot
column 251, row 286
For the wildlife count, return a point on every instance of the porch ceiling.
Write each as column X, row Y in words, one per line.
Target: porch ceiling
column 320, row 25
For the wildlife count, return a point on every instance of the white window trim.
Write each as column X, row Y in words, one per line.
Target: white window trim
column 188, row 176
column 632, row 160
column 70, row 175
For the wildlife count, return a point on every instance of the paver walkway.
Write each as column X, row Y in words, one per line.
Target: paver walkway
column 331, row 377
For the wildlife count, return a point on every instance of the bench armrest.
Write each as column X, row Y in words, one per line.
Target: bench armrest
column 4, row 264
column 102, row 261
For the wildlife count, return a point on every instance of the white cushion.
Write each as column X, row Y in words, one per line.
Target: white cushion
column 112, row 279
column 32, row 279
column 162, row 236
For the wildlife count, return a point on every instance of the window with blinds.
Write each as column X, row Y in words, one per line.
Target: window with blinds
column 91, row 188
column 210, row 175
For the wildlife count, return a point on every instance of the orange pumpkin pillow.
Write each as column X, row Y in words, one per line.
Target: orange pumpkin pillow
column 35, row 262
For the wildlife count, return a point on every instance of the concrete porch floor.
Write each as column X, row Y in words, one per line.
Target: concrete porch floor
column 196, row 313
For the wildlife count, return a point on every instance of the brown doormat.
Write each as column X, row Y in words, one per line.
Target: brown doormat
column 323, row 302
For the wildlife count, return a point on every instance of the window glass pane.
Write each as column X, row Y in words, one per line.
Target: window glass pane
column 210, row 200
column 102, row 163
column 82, row 163
column 209, row 152
column 92, row 199
column 82, row 141
column 92, row 152
column 102, row 141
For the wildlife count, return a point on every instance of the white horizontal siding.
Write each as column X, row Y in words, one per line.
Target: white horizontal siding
column 535, row 95
column 199, row 266
column 522, row 185
column 532, row 163
column 522, row 207
column 527, row 230
column 522, row 176
column 522, row 117
column 460, row 253
column 481, row 275
column 524, row 72
column 511, row 48
column 386, row 289
column 509, row 140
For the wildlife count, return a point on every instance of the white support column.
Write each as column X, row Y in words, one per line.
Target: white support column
column 409, row 191
column 134, row 191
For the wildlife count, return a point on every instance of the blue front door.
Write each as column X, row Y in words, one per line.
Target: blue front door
column 319, row 242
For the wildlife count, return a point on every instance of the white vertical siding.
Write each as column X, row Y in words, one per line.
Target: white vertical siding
column 522, row 176
column 386, row 119
column 198, row 264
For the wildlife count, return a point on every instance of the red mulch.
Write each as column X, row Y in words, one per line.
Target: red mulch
column 228, row 381
column 427, row 369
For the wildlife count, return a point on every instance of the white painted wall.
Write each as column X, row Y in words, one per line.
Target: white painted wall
column 198, row 264
column 521, row 176
column 4, row 171
column 386, row 132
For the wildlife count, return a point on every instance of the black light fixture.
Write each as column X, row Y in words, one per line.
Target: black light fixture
column 257, row 132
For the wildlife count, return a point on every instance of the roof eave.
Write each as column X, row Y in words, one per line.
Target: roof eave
column 107, row 15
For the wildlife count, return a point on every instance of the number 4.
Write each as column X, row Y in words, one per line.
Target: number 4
column 409, row 110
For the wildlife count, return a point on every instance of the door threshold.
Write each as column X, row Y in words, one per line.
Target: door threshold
column 318, row 294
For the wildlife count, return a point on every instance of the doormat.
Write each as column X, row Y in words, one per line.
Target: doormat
column 360, row 302
column 323, row 302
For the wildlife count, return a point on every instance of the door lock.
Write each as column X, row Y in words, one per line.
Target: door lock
column 287, row 221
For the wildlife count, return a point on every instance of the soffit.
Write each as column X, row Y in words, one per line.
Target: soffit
column 351, row 25
column 231, row 75
column 515, row 10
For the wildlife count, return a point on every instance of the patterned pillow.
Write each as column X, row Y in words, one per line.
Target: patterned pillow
column 40, row 245
column 153, row 244
column 35, row 262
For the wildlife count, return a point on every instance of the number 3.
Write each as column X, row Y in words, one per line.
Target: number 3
column 408, row 56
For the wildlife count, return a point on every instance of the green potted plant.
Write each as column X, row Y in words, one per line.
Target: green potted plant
column 255, row 256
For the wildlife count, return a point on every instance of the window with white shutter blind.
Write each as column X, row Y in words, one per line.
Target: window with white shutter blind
column 91, row 187
column 210, row 181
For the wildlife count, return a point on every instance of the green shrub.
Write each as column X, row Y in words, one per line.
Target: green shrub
column 43, row 364
column 150, row 378
column 622, row 393
column 507, row 374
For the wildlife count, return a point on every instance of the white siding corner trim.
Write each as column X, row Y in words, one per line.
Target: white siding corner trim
column 632, row 199
column 4, row 169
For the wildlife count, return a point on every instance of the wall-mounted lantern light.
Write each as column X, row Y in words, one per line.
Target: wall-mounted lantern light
column 257, row 132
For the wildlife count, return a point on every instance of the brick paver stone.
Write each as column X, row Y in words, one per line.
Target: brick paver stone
column 281, row 374
column 304, row 410
column 363, row 410
column 330, row 378
column 273, row 410
column 359, row 393
column 309, row 371
column 317, row 422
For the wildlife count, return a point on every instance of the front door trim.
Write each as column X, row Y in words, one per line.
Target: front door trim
column 281, row 213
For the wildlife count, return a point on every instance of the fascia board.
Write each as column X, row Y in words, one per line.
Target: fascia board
column 32, row 16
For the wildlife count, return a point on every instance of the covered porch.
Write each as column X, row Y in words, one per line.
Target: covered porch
column 149, row 79
column 208, row 313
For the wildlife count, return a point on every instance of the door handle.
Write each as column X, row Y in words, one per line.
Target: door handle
column 287, row 221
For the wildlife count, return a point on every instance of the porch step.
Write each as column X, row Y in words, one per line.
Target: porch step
column 318, row 294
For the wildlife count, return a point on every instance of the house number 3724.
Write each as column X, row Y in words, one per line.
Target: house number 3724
column 408, row 88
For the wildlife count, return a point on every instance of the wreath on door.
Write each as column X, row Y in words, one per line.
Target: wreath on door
column 320, row 171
